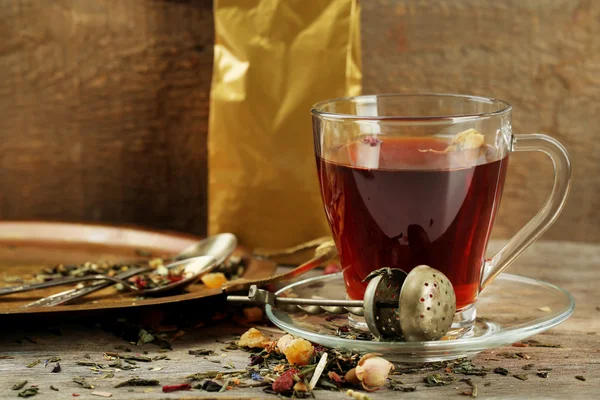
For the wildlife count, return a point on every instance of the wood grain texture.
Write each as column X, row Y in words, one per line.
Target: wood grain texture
column 578, row 336
column 104, row 104
column 542, row 56
column 104, row 111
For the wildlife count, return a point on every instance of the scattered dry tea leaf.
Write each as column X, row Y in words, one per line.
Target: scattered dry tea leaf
column 201, row 352
column 521, row 377
column 33, row 363
column 82, row 382
column 543, row 374
column 581, row 378
column 501, row 371
column 138, row 382
column 32, row 391
column 19, row 385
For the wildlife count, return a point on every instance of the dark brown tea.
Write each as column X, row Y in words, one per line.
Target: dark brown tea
column 403, row 202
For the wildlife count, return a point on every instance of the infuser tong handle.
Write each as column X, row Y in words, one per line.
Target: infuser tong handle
column 312, row 306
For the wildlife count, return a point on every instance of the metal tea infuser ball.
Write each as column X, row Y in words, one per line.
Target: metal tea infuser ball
column 418, row 306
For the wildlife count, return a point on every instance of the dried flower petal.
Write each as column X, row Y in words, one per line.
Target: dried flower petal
column 373, row 371
column 299, row 352
column 351, row 377
column 284, row 342
column 335, row 377
column 300, row 387
column 253, row 338
column 332, row 269
column 285, row 382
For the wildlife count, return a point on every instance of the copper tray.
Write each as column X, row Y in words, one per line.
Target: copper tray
column 26, row 247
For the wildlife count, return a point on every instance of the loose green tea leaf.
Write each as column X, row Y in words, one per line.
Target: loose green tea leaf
column 581, row 378
column 34, row 363
column 82, row 382
column 438, row 380
column 135, row 358
column 536, row 343
column 157, row 358
column 201, row 352
column 521, row 377
column 528, row 367
column 144, row 337
column 501, row 371
column 138, row 382
column 29, row 392
column 19, row 385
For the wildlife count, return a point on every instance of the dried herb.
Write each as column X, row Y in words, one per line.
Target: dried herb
column 395, row 385
column 438, row 380
column 508, row 355
column 210, row 386
column 175, row 388
column 82, row 382
column 521, row 377
column 528, row 367
column 56, row 368
column 256, row 360
column 201, row 352
column 467, row 368
column 536, row 343
column 472, row 393
column 135, row 358
column 19, row 385
column 157, row 358
column 468, row 381
column 32, row 391
column 581, row 378
column 213, row 374
column 144, row 337
column 53, row 388
column 34, row 363
column 138, row 382
column 543, row 374
column 501, row 371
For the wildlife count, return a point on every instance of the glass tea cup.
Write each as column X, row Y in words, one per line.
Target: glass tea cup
column 417, row 179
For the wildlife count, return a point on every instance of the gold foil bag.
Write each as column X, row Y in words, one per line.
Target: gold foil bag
column 273, row 60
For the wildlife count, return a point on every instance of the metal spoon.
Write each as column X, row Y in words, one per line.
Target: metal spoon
column 218, row 246
column 224, row 245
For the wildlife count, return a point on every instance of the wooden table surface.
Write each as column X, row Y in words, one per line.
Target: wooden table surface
column 569, row 265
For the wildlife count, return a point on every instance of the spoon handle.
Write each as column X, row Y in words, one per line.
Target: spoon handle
column 72, row 294
column 326, row 251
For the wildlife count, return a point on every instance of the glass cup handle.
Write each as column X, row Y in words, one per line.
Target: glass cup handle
column 548, row 213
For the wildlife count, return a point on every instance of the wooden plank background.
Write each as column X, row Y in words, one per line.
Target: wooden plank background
column 104, row 104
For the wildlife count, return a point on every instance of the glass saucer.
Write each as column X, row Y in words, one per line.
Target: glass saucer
column 510, row 309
